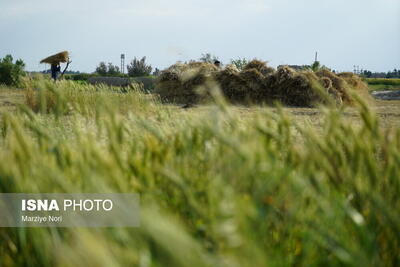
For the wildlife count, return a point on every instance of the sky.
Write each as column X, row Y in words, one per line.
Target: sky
column 345, row 33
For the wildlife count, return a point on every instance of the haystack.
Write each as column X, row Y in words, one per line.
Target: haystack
column 257, row 83
column 353, row 80
column 61, row 57
column 357, row 85
column 338, row 84
column 232, row 85
column 247, row 86
column 295, row 88
column 259, row 65
column 179, row 83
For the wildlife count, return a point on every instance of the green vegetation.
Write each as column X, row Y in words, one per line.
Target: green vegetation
column 383, row 84
column 208, row 58
column 107, row 69
column 139, row 68
column 390, row 74
column 217, row 188
column 10, row 72
column 240, row 63
column 80, row 76
column 383, row 81
column 148, row 82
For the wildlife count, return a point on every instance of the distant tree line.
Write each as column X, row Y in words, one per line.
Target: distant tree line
column 136, row 68
column 389, row 75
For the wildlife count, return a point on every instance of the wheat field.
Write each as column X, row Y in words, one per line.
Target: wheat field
column 220, row 185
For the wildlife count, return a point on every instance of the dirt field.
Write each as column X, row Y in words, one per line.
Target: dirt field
column 387, row 110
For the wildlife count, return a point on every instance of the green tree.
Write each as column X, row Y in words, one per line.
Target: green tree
column 316, row 66
column 112, row 69
column 102, row 68
column 107, row 69
column 157, row 72
column 209, row 58
column 138, row 68
column 240, row 63
column 10, row 73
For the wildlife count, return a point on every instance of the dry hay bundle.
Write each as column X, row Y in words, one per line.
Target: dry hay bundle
column 259, row 65
column 232, row 84
column 257, row 83
column 179, row 82
column 347, row 84
column 357, row 85
column 353, row 80
column 247, row 86
column 295, row 88
column 338, row 84
column 61, row 57
column 232, row 68
column 328, row 85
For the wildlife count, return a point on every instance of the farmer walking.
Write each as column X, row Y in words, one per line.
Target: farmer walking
column 55, row 68
column 54, row 61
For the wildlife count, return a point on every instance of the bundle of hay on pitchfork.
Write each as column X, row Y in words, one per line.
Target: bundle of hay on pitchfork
column 55, row 60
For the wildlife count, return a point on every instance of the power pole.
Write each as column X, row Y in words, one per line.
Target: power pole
column 316, row 56
column 122, row 63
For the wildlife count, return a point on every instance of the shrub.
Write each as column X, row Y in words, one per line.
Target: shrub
column 79, row 77
column 208, row 58
column 139, row 68
column 10, row 73
column 240, row 63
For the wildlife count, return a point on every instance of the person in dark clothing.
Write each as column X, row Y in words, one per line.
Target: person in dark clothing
column 217, row 63
column 55, row 69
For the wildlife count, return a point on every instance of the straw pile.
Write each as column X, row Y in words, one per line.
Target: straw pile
column 295, row 88
column 258, row 83
column 357, row 85
column 179, row 83
column 61, row 57
column 259, row 65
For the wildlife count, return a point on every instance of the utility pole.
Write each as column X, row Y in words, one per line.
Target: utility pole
column 122, row 63
column 316, row 56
